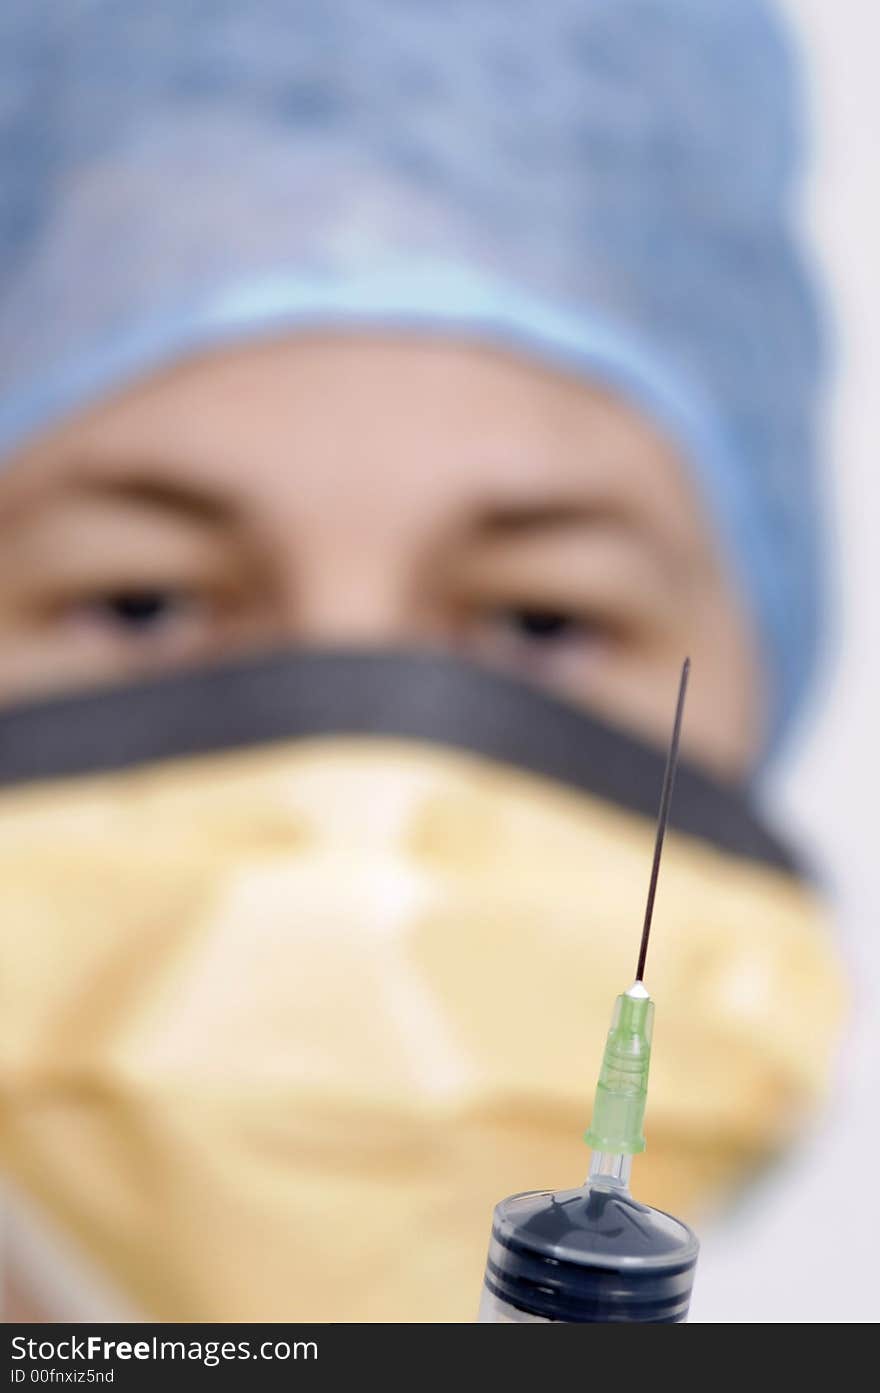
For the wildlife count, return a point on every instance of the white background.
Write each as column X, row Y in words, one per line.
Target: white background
column 807, row 1250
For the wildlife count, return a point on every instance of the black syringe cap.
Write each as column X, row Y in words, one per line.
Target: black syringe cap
column 591, row 1255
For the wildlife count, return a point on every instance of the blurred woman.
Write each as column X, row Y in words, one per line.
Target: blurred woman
column 392, row 395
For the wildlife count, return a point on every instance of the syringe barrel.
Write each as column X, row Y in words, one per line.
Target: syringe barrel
column 587, row 1256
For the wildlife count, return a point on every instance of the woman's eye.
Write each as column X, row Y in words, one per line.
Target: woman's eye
column 541, row 642
column 541, row 625
column 138, row 611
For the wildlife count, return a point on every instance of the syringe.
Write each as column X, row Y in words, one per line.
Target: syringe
column 594, row 1253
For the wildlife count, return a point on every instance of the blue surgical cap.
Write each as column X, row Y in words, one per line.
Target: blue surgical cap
column 606, row 184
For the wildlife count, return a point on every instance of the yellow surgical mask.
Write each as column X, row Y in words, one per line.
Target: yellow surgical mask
column 307, row 962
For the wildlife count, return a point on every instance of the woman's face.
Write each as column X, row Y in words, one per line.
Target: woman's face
column 366, row 490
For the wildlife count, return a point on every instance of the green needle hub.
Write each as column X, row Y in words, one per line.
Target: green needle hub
column 622, row 1091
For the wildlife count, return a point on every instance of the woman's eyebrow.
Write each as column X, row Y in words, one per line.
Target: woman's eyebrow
column 154, row 490
column 508, row 517
column 509, row 520
column 522, row 522
column 159, row 493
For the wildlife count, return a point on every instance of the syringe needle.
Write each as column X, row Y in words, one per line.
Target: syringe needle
column 663, row 817
column 616, row 1130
